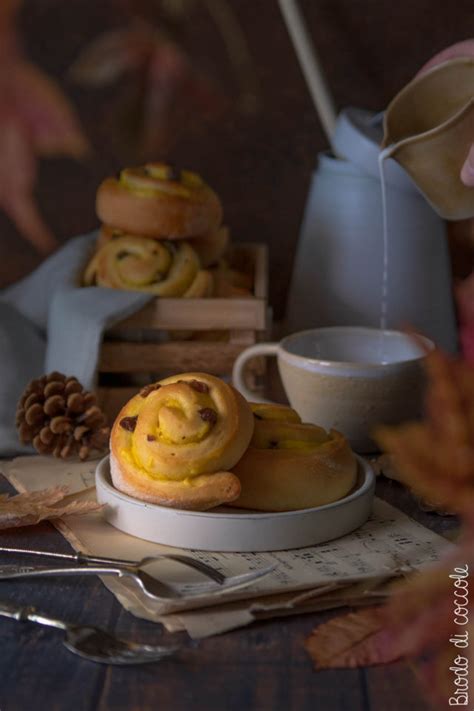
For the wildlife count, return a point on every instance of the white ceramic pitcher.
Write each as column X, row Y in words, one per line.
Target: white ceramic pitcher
column 337, row 275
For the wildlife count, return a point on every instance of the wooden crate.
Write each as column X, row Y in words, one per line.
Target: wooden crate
column 134, row 352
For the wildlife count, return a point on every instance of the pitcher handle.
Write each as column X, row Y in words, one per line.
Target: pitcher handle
column 238, row 370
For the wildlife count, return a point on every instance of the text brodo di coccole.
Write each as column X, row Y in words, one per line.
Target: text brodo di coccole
column 460, row 640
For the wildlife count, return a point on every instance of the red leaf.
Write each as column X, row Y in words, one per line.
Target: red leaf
column 8, row 9
column 46, row 113
column 17, row 178
column 172, row 91
column 111, row 55
column 465, row 300
column 417, row 621
column 35, row 118
column 353, row 640
column 435, row 457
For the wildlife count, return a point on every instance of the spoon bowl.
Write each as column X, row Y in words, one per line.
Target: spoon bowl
column 90, row 642
column 97, row 645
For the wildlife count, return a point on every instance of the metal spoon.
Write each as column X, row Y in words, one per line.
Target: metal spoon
column 91, row 642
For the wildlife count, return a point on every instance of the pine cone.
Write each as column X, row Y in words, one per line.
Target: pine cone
column 59, row 417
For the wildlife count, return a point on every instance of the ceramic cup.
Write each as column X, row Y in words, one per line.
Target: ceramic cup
column 348, row 378
column 429, row 129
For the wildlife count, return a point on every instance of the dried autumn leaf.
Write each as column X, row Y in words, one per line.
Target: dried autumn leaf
column 17, row 180
column 358, row 640
column 111, row 55
column 465, row 301
column 437, row 678
column 352, row 640
column 166, row 82
column 417, row 622
column 435, row 457
column 8, row 9
column 46, row 113
column 31, row 508
column 423, row 612
column 417, row 618
column 35, row 119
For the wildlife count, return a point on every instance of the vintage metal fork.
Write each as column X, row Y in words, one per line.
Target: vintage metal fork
column 153, row 588
column 82, row 558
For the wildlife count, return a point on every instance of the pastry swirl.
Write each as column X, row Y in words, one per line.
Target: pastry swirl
column 144, row 264
column 174, row 443
column 155, row 200
column 211, row 246
column 290, row 465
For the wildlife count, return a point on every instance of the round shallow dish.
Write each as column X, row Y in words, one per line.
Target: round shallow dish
column 236, row 530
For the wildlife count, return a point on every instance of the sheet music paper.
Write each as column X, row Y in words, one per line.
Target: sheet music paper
column 388, row 545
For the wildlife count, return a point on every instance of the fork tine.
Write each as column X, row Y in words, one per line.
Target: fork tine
column 246, row 578
column 198, row 565
column 233, row 583
column 212, row 573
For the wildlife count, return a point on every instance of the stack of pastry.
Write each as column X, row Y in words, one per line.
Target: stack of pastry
column 193, row 442
column 161, row 233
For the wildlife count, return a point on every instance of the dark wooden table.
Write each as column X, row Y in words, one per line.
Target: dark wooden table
column 260, row 667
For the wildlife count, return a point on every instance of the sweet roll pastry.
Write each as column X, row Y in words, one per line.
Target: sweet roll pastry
column 230, row 282
column 290, row 465
column 175, row 442
column 158, row 267
column 106, row 233
column 211, row 246
column 201, row 287
column 156, row 200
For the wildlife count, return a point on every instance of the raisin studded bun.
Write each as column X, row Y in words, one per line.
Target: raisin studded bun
column 175, row 443
column 290, row 465
column 162, row 268
column 155, row 200
column 211, row 246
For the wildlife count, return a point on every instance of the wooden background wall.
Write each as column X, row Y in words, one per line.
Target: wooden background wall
column 260, row 164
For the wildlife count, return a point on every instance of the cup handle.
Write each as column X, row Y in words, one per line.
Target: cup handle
column 238, row 369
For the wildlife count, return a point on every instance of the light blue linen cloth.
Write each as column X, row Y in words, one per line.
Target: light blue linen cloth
column 48, row 322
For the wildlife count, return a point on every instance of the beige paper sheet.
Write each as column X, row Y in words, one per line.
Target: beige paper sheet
column 318, row 577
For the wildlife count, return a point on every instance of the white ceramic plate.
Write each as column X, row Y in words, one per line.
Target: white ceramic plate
column 238, row 530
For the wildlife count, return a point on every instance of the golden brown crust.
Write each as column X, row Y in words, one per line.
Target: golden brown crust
column 174, row 443
column 207, row 490
column 211, row 246
column 144, row 264
column 107, row 233
column 231, row 283
column 145, row 201
column 290, row 465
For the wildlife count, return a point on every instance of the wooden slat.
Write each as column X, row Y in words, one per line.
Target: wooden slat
column 179, row 356
column 199, row 314
column 204, row 314
column 261, row 271
column 243, row 338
